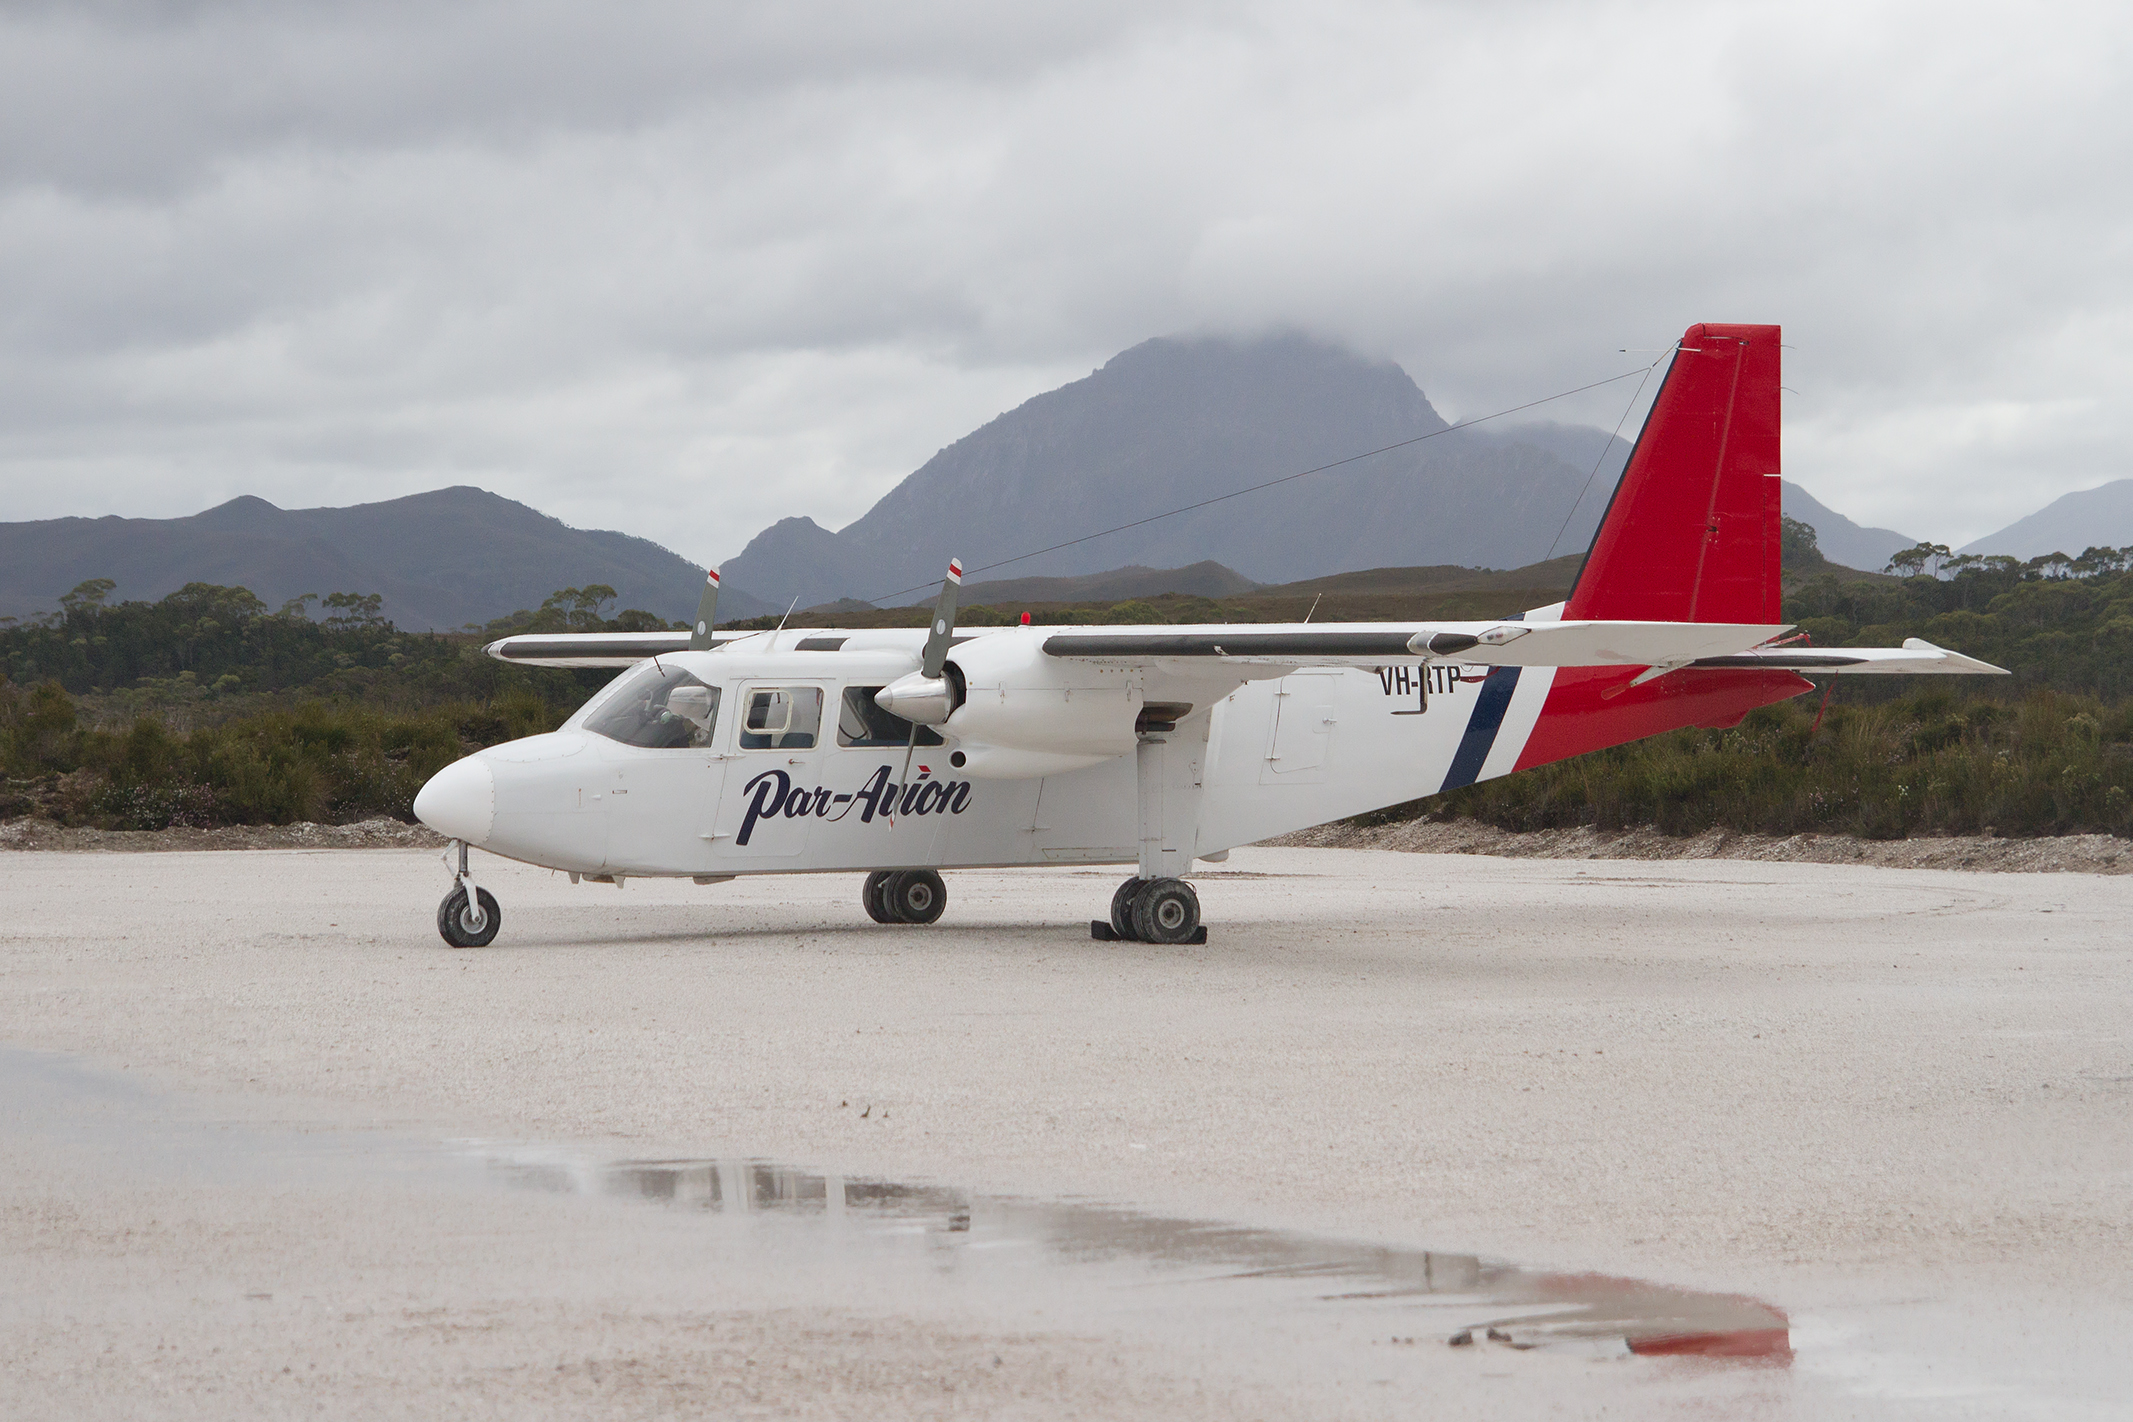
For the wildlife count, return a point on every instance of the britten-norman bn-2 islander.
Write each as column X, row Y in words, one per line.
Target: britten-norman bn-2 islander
column 905, row 752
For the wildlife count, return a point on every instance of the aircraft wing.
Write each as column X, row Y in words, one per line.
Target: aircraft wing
column 1503, row 644
column 589, row 649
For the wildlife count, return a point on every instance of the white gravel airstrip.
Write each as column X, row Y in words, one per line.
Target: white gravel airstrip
column 249, row 1097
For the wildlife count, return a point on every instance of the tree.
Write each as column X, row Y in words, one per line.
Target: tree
column 1919, row 559
column 1796, row 543
column 87, row 596
column 574, row 609
column 351, row 610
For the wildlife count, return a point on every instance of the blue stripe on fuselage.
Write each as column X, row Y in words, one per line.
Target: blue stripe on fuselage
column 1481, row 727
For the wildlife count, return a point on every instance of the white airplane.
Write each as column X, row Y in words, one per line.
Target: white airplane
column 904, row 752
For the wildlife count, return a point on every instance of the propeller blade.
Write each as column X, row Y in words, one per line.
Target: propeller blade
column 939, row 636
column 706, row 613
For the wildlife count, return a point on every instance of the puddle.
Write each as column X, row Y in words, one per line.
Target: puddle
column 917, row 1244
column 1009, row 1245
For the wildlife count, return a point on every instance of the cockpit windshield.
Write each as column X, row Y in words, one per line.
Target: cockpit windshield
column 659, row 706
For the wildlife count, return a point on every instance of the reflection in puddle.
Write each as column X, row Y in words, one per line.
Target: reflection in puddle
column 1325, row 1312
column 1451, row 1298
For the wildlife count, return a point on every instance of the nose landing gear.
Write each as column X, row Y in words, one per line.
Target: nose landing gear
column 468, row 917
column 1152, row 911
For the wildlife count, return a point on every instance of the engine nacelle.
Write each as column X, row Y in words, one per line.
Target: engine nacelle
column 1061, row 715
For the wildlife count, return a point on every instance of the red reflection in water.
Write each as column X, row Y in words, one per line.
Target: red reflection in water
column 1774, row 1344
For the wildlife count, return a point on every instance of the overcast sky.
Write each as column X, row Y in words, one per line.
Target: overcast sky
column 684, row 269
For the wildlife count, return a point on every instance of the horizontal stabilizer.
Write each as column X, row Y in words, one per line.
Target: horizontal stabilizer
column 1915, row 657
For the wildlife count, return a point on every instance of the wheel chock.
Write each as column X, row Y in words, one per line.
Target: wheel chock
column 1102, row 932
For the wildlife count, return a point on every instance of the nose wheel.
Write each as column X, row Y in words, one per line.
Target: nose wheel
column 468, row 917
column 466, row 924
column 1152, row 911
column 904, row 896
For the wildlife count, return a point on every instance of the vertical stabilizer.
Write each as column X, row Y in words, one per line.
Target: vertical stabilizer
column 1691, row 536
column 1692, row 532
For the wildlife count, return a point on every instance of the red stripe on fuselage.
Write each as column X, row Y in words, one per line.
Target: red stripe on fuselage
column 1578, row 716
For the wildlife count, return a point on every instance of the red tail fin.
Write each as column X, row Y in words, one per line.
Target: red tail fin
column 1692, row 536
column 1692, row 532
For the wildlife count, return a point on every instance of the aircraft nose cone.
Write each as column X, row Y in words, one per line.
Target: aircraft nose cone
column 460, row 800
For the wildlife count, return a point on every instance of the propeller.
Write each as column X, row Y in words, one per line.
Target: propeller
column 931, row 667
column 940, row 636
column 706, row 613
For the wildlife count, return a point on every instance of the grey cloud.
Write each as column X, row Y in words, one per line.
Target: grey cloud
column 683, row 270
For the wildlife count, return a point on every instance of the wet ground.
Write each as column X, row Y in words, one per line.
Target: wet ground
column 1273, row 1319
column 1505, row 1143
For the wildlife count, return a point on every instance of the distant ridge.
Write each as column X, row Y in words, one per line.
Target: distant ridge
column 1168, row 423
column 2071, row 523
column 1209, row 579
column 439, row 559
column 1841, row 540
column 1177, row 420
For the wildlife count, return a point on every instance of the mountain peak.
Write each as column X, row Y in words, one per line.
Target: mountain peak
column 1168, row 423
column 244, row 511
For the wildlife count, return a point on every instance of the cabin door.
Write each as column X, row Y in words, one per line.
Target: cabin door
column 773, row 789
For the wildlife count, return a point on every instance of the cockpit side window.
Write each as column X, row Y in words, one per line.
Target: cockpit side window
column 781, row 718
column 660, row 707
column 862, row 723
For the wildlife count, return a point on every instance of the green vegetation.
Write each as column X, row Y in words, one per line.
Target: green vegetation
column 207, row 708
column 2047, row 750
column 2058, row 622
column 316, row 762
column 1931, row 762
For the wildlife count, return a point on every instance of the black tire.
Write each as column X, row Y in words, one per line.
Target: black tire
column 1122, row 907
column 915, row 896
column 1167, row 911
column 874, row 898
column 452, row 919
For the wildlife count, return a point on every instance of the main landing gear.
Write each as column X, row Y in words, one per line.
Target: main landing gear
column 468, row 917
column 1152, row 911
column 904, row 896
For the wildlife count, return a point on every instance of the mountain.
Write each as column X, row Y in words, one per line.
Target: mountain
column 1177, row 421
column 2099, row 517
column 1841, row 540
column 1209, row 579
column 440, row 559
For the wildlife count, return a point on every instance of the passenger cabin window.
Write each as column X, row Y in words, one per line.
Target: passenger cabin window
column 660, row 707
column 862, row 723
column 782, row 718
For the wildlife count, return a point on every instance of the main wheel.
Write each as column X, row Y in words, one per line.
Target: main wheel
column 1122, row 907
column 915, row 896
column 455, row 920
column 875, row 898
column 1166, row 911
